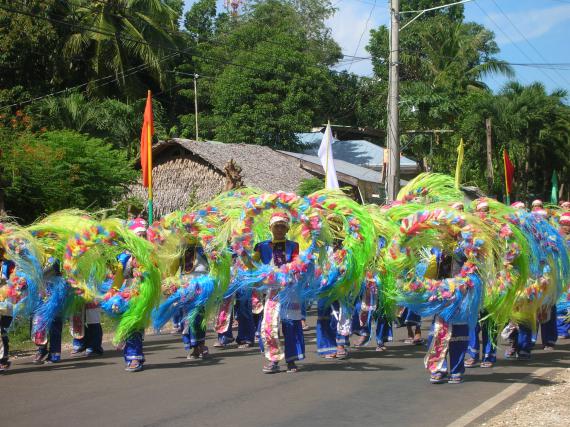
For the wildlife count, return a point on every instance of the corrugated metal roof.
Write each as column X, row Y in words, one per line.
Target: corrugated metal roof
column 342, row 167
column 358, row 152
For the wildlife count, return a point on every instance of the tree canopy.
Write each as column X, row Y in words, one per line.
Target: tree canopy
column 74, row 76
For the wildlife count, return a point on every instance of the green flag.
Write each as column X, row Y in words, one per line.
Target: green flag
column 554, row 192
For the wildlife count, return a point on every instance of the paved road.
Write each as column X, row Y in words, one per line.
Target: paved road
column 228, row 389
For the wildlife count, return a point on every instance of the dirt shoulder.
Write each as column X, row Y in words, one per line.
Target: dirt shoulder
column 547, row 406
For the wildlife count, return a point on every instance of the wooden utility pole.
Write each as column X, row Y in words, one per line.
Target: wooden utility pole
column 489, row 156
column 393, row 137
column 196, row 103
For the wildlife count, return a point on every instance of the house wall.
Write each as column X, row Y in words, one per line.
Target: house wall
column 180, row 178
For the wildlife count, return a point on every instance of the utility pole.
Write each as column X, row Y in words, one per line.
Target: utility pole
column 196, row 103
column 489, row 156
column 393, row 137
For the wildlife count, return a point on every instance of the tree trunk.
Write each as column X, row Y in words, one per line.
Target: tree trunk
column 526, row 168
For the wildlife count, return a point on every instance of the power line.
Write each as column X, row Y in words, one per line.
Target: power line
column 511, row 40
column 527, row 40
column 363, row 31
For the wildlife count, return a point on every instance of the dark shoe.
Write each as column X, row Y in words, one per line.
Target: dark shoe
column 4, row 366
column 79, row 352
column 361, row 341
column 271, row 368
column 204, row 352
column 510, row 354
column 39, row 358
column 292, row 368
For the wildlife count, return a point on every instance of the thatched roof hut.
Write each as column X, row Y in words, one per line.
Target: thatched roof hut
column 186, row 171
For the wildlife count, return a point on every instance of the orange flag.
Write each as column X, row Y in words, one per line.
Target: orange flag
column 146, row 142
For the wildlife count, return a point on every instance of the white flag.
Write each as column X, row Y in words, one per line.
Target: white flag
column 326, row 156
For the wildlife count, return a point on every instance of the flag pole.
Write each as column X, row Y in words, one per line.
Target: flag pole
column 149, row 146
column 508, row 197
column 328, row 148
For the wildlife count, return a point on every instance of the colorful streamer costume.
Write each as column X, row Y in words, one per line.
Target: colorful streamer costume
column 471, row 269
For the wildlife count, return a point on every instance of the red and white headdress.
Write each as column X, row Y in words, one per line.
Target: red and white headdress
column 138, row 225
column 564, row 219
column 281, row 217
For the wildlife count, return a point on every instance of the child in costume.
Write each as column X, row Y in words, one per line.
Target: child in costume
column 133, row 349
column 332, row 318
column 279, row 251
column 194, row 329
column 48, row 340
column 563, row 306
column 7, row 268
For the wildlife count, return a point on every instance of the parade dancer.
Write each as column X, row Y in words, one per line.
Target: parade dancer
column 194, row 328
column 279, row 251
column 48, row 340
column 7, row 268
column 133, row 348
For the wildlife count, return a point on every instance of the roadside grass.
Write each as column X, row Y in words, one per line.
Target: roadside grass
column 21, row 342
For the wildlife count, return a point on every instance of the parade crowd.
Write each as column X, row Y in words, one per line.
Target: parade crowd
column 253, row 263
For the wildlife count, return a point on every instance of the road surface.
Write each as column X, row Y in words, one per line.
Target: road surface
column 228, row 389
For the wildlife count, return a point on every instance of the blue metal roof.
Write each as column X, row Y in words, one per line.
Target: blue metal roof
column 358, row 152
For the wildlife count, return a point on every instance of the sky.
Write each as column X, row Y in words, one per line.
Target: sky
column 527, row 31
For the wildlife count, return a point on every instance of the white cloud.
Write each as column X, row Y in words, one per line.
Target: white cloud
column 348, row 25
column 530, row 23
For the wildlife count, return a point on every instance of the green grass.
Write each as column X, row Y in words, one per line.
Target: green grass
column 21, row 342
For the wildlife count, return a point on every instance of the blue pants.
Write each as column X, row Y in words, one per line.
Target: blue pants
column 226, row 337
column 362, row 331
column 94, row 338
column 455, row 362
column 177, row 318
column 294, row 340
column 562, row 322
column 458, row 348
column 326, row 329
column 522, row 340
column 196, row 334
column 384, row 331
column 55, row 330
column 92, row 341
column 548, row 330
column 134, row 347
column 489, row 349
column 5, row 322
column 246, row 321
column 409, row 318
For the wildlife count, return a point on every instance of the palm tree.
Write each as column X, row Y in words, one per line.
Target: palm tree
column 538, row 126
column 117, row 35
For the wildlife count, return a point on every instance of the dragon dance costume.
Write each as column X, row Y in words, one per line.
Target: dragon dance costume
column 471, row 273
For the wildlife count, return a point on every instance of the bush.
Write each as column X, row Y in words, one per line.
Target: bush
column 43, row 173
